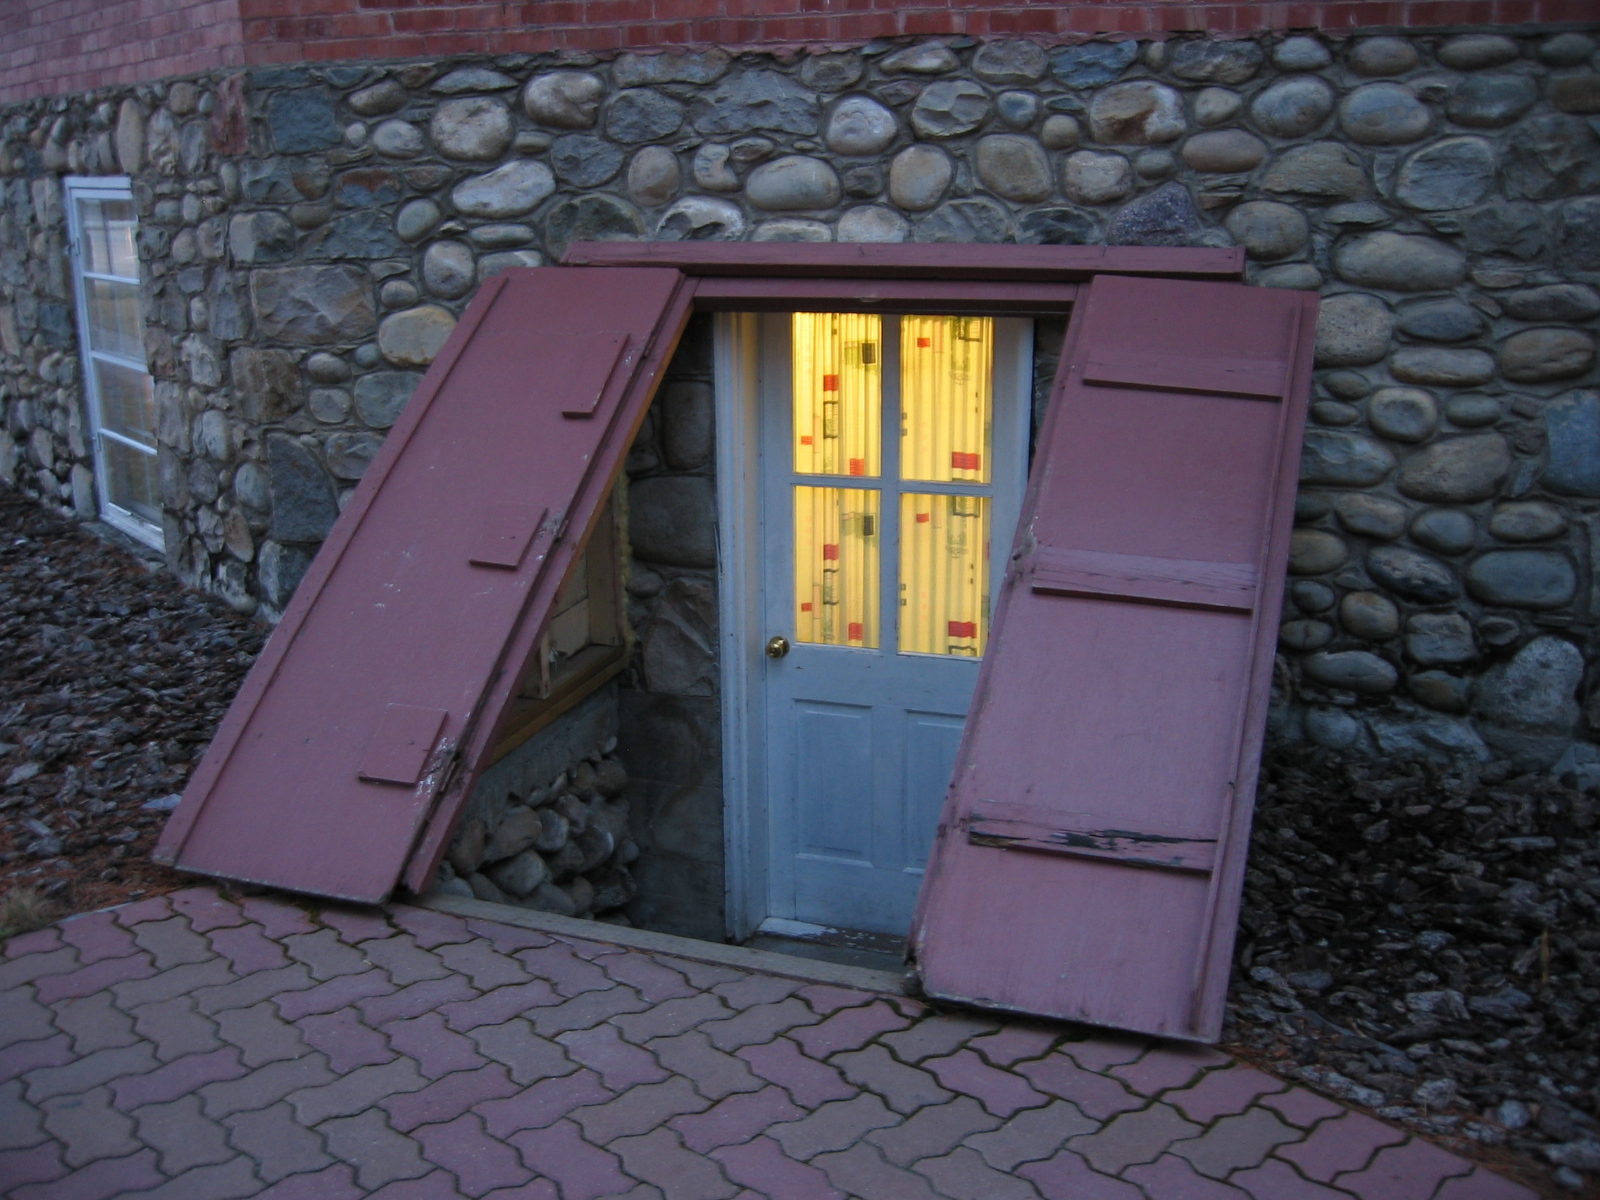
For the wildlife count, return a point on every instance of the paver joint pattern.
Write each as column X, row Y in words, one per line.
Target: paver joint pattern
column 193, row 1046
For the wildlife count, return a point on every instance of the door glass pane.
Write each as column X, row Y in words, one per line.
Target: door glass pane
column 944, row 574
column 114, row 318
column 127, row 404
column 131, row 479
column 836, row 566
column 838, row 395
column 108, row 228
column 946, row 372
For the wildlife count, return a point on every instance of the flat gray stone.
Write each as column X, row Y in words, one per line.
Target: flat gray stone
column 1268, row 230
column 831, row 72
column 1013, row 167
column 381, row 395
column 1536, row 691
column 1292, row 108
column 1578, row 238
column 1353, row 329
column 1441, row 321
column 795, row 181
column 1572, row 429
column 1440, row 690
column 756, row 99
column 413, row 338
column 583, row 161
column 564, row 99
column 973, row 220
column 313, row 305
column 859, row 126
column 304, row 506
column 598, row 217
column 919, row 175
column 1458, row 470
column 654, row 176
column 1096, row 177
column 1535, row 579
column 1448, row 174
column 1491, row 101
column 1322, row 169
column 1137, row 113
column 447, row 269
column 1371, row 516
column 1010, row 63
column 1224, row 151
column 1527, row 521
column 1413, row 575
column 672, row 520
column 949, row 109
column 1440, row 640
column 873, row 223
column 1553, row 302
column 1164, row 217
column 1576, row 93
column 260, row 237
column 1475, row 51
column 1333, row 728
column 1545, row 355
column 1512, row 229
column 1352, row 670
column 1382, row 56
column 701, row 219
column 364, row 235
column 696, row 67
column 1093, row 63
column 1384, row 114
column 1058, row 226
column 1440, row 367
column 1304, row 635
column 509, row 191
column 1343, row 459
column 266, row 385
column 301, row 121
column 1400, row 262
column 1446, row 530
column 1207, row 60
column 1403, row 414
column 1552, row 155
column 642, row 115
column 472, row 128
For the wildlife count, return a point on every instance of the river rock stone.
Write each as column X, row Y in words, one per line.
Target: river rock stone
column 398, row 139
column 1060, row 132
column 447, row 269
column 792, row 229
column 1316, row 552
column 1543, row 355
column 413, row 338
column 1474, row 409
column 698, row 67
column 873, row 223
column 1475, row 51
column 962, row 221
column 490, row 265
column 1535, row 692
column 1572, row 429
column 1093, row 63
column 1551, row 155
column 1451, row 173
column 1353, row 329
column 1491, row 101
column 1403, row 414
column 1444, row 368
column 130, row 136
column 1413, row 575
column 597, row 217
column 1208, row 60
column 495, row 237
column 672, row 520
column 1322, row 169
column 1382, row 56
column 313, row 305
column 949, row 109
column 1352, row 670
column 474, row 128
column 377, row 100
column 260, row 237
column 522, row 874
column 1096, row 177
column 1369, row 616
column 381, row 395
column 1343, row 459
column 831, row 72
column 1569, row 49
column 792, row 182
column 564, row 99
column 303, row 503
column 1441, row 321
column 1300, row 54
column 1304, row 635
column 508, row 191
column 712, row 171
column 1292, row 108
column 1578, row 238
column 859, row 125
column 919, row 175
column 1013, row 167
column 701, row 219
column 1311, row 596
column 1164, row 217
column 1018, row 109
column 583, row 161
column 1446, row 530
column 1268, row 230
column 1010, row 63
column 1440, row 640
column 1527, row 521
column 416, row 219
column 642, row 115
column 1058, row 226
column 930, row 58
column 1576, row 93
column 1553, row 302
column 654, row 176
column 1138, row 113
column 348, row 455
column 756, row 99
column 1371, row 516
column 1400, row 262
column 1536, row 579
column 1384, row 114
column 1458, row 470
column 1224, row 150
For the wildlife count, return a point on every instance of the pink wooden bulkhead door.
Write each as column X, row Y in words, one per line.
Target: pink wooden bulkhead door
column 1091, row 850
column 347, row 753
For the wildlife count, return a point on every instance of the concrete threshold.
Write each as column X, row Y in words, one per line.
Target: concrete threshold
column 787, row 965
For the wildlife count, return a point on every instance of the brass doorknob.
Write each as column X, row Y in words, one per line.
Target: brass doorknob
column 777, row 646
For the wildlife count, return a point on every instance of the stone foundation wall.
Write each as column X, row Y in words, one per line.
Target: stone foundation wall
column 311, row 234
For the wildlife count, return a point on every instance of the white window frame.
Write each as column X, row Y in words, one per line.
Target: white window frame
column 111, row 187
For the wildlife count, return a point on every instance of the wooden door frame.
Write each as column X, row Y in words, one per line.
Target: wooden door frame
column 734, row 281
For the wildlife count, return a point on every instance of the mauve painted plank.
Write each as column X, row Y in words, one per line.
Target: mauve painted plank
column 1140, row 577
column 1098, row 713
column 908, row 261
column 735, row 293
column 393, row 611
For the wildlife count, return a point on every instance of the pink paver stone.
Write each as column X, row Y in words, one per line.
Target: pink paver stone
column 1275, row 1180
column 825, row 1000
column 1482, row 1185
column 447, row 1098
column 1303, row 1108
column 1167, row 1066
column 95, row 978
column 508, row 939
column 356, row 924
column 157, row 908
column 1100, row 1096
column 430, row 928
column 1223, row 1093
column 1400, row 1172
column 763, row 1164
column 479, row 1162
column 248, row 948
column 736, row 1119
column 21, row 1057
column 178, row 1078
column 441, row 1185
column 345, row 1039
column 1069, row 1177
column 619, row 1064
column 103, row 1179
column 40, row 941
column 1170, row 1178
column 583, row 1171
column 97, row 935
column 1345, row 1144
column 998, row 1091
column 276, row 918
column 1106, row 1050
column 848, row 1029
column 810, row 1083
column 543, row 1103
column 332, row 1183
column 557, row 965
column 204, row 909
column 436, row 1050
column 1015, row 1043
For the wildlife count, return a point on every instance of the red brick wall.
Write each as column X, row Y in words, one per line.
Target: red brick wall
column 72, row 45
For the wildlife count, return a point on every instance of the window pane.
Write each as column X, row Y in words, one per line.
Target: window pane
column 946, row 390
column 838, row 394
column 127, row 404
column 836, row 566
column 114, row 318
column 944, row 574
column 108, row 228
column 131, row 481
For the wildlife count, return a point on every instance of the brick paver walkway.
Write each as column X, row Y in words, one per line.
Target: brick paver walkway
column 188, row 1046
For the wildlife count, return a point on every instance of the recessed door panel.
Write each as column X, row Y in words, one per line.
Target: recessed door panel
column 833, row 751
column 932, row 740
